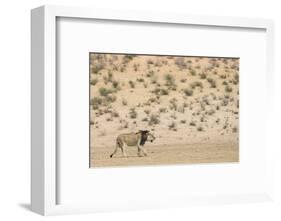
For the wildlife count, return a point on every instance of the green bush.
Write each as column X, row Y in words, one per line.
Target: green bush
column 173, row 126
column 192, row 72
column 188, row 92
column 115, row 84
column 196, row 84
column 94, row 81
column 132, row 84
column 105, row 92
column 192, row 123
column 228, row 89
column 153, row 119
column 133, row 114
column 203, row 75
column 95, row 102
column 170, row 81
column 212, row 82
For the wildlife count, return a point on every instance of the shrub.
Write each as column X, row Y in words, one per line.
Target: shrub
column 150, row 74
column 104, row 91
column 173, row 103
column 109, row 99
column 160, row 91
column 147, row 111
column 127, row 58
column 98, row 67
column 115, row 84
column 179, row 61
column 109, row 119
column 124, row 124
column 154, row 119
column 236, row 78
column 122, row 68
column 205, row 100
column 192, row 72
column 154, row 80
column 162, row 110
column 192, row 123
column 200, row 128
column 183, row 80
column 181, row 109
column 228, row 89
column 152, row 100
column 149, row 61
column 196, row 84
column 114, row 114
column 164, row 92
column 136, row 66
column 210, row 112
column 94, row 81
column 224, row 102
column 202, row 75
column 170, row 80
column 224, row 83
column 108, row 78
column 235, row 67
column 212, row 82
column 173, row 116
column 133, row 114
column 140, row 79
column 183, row 121
column 132, row 84
column 188, row 92
column 124, row 102
column 95, row 102
column 172, row 126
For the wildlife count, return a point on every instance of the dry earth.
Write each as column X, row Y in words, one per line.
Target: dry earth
column 169, row 154
column 191, row 105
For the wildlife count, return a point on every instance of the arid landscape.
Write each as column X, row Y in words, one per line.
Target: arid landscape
column 189, row 104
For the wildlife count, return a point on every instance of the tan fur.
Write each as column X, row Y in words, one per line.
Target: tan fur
column 132, row 139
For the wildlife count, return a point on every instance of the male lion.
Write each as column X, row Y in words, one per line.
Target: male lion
column 133, row 139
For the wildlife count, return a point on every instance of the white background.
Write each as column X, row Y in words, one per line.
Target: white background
column 115, row 187
column 15, row 108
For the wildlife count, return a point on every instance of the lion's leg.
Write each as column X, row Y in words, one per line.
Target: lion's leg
column 123, row 148
column 141, row 149
column 115, row 151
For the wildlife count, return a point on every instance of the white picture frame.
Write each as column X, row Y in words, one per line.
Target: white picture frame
column 44, row 173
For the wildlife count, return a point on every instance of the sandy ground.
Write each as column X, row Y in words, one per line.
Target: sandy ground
column 190, row 104
column 168, row 154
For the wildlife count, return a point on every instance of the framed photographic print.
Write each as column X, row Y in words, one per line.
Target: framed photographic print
column 138, row 110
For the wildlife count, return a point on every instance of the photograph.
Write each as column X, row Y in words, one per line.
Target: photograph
column 162, row 109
